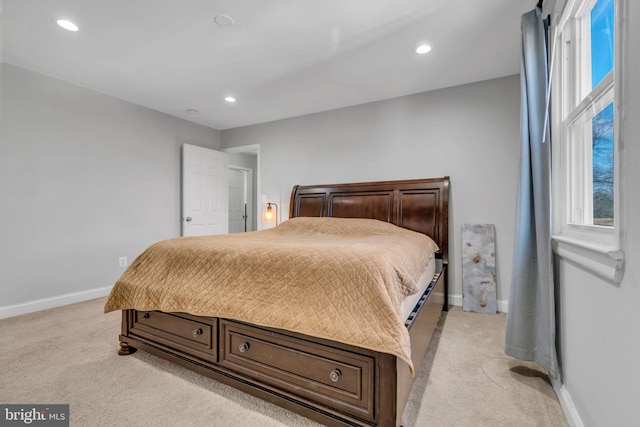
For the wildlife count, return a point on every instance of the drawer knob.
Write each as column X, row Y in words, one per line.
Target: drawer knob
column 146, row 316
column 197, row 332
column 244, row 347
column 335, row 375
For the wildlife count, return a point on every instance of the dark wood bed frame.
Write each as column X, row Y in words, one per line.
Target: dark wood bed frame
column 327, row 381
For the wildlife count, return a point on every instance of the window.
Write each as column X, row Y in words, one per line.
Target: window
column 585, row 82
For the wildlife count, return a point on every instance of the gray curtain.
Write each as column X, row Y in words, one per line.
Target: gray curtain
column 531, row 326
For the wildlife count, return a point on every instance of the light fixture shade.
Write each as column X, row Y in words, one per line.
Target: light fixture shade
column 270, row 214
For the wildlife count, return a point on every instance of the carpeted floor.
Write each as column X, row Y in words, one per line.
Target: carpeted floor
column 465, row 381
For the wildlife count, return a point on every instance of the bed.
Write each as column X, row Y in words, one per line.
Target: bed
column 356, row 379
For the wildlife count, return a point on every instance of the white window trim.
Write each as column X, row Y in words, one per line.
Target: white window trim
column 606, row 263
column 599, row 250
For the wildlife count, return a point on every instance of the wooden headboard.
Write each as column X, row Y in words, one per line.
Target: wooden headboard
column 420, row 205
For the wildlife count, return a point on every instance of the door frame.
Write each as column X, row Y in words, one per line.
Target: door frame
column 248, row 186
column 253, row 149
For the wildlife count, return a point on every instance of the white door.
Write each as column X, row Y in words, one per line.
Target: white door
column 237, row 200
column 205, row 191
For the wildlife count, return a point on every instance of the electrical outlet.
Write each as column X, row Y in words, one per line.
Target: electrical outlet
column 264, row 198
column 122, row 261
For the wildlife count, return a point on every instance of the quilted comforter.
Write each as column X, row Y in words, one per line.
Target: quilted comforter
column 334, row 278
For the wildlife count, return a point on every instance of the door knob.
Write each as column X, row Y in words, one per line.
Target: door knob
column 188, row 219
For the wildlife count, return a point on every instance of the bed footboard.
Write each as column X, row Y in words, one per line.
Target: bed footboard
column 330, row 382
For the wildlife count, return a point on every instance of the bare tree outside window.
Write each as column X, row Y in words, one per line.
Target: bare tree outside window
column 603, row 173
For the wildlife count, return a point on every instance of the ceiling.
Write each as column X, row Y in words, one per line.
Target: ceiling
column 279, row 59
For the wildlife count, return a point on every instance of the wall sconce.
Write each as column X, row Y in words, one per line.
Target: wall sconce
column 269, row 215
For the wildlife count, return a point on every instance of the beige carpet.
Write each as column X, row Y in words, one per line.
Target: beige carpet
column 465, row 381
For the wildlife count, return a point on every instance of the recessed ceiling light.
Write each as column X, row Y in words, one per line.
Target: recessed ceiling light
column 422, row 49
column 67, row 25
column 230, row 99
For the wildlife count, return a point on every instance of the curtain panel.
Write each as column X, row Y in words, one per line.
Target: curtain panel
column 531, row 326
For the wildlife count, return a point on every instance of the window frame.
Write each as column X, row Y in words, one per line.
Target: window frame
column 598, row 249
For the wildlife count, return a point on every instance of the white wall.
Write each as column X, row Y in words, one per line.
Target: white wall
column 468, row 132
column 84, row 179
column 600, row 322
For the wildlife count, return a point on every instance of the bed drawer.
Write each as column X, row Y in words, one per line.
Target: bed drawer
column 321, row 374
column 178, row 331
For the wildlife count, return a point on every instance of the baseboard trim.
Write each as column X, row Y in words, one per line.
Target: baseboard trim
column 502, row 305
column 52, row 302
column 570, row 412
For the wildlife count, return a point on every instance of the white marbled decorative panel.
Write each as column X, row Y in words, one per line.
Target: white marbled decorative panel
column 479, row 268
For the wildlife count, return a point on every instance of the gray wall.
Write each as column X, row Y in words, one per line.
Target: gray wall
column 84, row 179
column 600, row 322
column 467, row 132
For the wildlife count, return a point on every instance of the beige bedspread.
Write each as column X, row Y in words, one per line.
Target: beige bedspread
column 334, row 278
